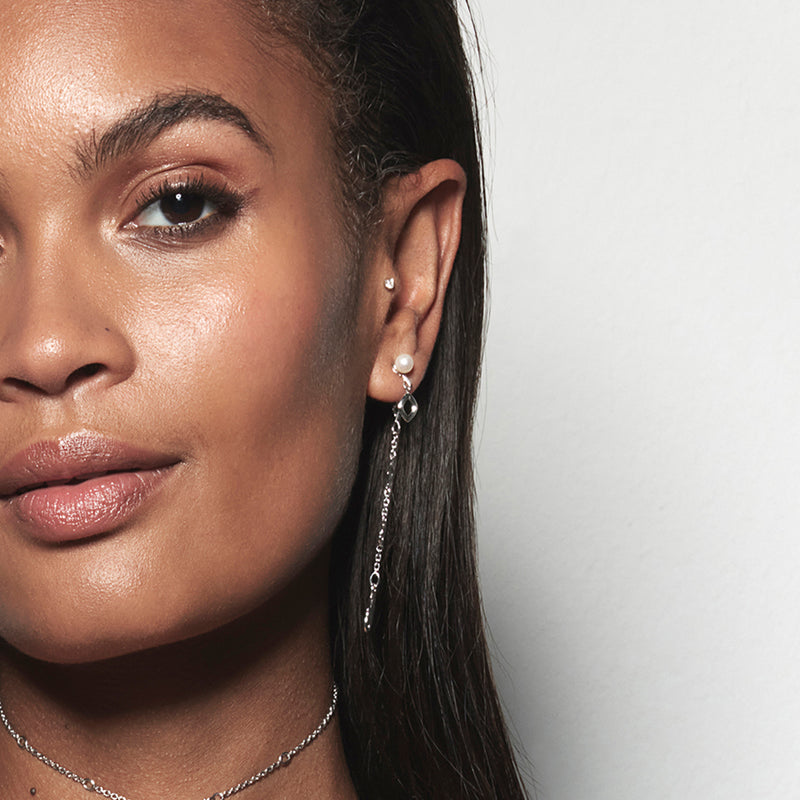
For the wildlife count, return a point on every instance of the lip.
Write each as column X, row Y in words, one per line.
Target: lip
column 80, row 485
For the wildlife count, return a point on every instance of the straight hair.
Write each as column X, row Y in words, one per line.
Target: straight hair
column 419, row 711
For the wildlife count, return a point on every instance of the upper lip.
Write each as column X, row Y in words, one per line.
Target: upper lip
column 73, row 458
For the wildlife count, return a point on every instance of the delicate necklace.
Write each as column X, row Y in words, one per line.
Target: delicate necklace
column 92, row 786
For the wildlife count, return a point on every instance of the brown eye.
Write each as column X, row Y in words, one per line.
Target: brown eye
column 186, row 209
column 183, row 207
column 176, row 208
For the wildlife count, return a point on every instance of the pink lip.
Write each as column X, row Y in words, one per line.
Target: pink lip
column 80, row 485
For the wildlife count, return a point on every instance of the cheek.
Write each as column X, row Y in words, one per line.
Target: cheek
column 233, row 378
column 255, row 350
column 268, row 408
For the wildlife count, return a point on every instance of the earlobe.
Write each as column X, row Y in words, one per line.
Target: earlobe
column 422, row 229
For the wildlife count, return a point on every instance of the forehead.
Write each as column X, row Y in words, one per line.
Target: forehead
column 68, row 68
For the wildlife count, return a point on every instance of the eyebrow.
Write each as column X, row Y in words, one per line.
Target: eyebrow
column 142, row 125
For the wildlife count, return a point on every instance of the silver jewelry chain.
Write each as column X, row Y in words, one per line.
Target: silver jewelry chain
column 92, row 786
column 406, row 410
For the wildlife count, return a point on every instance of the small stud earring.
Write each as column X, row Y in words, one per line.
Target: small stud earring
column 403, row 364
column 405, row 410
column 389, row 283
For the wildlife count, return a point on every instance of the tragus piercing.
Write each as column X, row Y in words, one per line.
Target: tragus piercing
column 389, row 283
column 405, row 409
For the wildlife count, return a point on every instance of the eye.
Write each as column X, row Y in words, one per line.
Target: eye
column 185, row 208
column 176, row 208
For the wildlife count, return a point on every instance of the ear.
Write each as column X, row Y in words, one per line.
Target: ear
column 422, row 231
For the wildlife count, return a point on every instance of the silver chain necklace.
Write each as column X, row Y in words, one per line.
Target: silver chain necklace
column 92, row 786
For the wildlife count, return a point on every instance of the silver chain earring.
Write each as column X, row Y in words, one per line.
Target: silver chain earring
column 404, row 411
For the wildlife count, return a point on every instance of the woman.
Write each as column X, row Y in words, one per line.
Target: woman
column 241, row 245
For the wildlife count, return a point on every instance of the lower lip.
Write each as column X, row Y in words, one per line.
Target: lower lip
column 78, row 511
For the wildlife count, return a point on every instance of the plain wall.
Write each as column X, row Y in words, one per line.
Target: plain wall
column 639, row 439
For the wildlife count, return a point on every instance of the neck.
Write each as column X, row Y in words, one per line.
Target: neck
column 189, row 719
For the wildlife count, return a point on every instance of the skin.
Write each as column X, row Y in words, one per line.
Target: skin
column 188, row 647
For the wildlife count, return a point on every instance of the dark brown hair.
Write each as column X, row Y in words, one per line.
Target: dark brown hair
column 419, row 712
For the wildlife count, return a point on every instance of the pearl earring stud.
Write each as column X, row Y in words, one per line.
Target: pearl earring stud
column 403, row 364
column 389, row 283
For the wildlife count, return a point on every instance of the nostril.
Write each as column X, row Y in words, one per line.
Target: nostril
column 84, row 373
column 20, row 385
column 47, row 385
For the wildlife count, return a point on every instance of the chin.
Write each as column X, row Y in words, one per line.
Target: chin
column 88, row 625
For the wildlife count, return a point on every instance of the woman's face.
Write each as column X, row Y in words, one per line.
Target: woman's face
column 178, row 310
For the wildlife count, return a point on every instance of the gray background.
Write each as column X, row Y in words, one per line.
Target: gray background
column 640, row 430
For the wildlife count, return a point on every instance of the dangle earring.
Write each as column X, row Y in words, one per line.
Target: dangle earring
column 404, row 410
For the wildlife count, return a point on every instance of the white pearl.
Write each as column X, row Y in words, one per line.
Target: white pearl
column 404, row 363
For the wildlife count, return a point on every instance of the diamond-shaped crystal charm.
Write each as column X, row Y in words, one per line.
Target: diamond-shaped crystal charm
column 408, row 407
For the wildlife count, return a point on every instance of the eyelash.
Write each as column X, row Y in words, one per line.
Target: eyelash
column 227, row 205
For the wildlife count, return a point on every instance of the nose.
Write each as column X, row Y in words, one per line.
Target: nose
column 56, row 338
